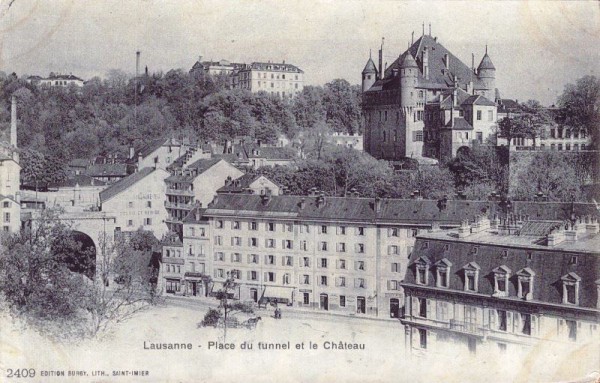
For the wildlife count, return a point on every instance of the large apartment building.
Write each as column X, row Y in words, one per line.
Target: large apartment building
column 504, row 286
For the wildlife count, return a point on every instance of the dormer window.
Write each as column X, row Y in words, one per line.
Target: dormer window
column 422, row 270
column 570, row 291
column 471, row 271
column 442, row 273
column 501, row 277
column 525, row 283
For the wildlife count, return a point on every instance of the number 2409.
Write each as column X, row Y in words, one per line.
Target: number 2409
column 20, row 373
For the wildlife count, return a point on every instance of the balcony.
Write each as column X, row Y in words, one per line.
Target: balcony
column 185, row 192
column 468, row 327
column 179, row 205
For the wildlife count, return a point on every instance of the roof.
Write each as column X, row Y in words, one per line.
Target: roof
column 506, row 105
column 100, row 170
column 283, row 67
column 370, row 67
column 242, row 183
column 153, row 145
column 195, row 169
column 196, row 215
column 408, row 62
column 548, row 264
column 3, row 197
column 80, row 162
column 393, row 211
column 459, row 124
column 80, row 180
column 124, row 184
column 486, row 63
column 439, row 77
column 478, row 100
column 270, row 152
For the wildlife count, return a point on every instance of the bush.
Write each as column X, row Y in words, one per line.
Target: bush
column 211, row 318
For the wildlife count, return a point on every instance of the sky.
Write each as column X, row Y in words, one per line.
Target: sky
column 537, row 47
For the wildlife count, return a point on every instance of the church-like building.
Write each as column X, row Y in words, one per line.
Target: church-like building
column 427, row 103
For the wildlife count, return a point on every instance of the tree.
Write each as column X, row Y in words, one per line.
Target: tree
column 580, row 104
column 226, row 309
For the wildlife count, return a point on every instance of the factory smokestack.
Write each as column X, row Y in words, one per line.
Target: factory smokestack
column 13, row 122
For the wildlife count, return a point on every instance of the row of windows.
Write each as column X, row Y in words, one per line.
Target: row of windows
column 288, row 244
column 147, row 222
column 131, row 204
column 286, row 278
column 575, row 133
column 289, row 227
column 289, row 261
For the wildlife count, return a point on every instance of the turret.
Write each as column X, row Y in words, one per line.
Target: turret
column 487, row 74
column 408, row 82
column 369, row 75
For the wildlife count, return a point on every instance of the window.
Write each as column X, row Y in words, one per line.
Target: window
column 236, row 257
column 360, row 231
column 342, row 301
column 393, row 250
column 419, row 135
column 396, row 268
column 149, row 204
column 147, row 221
column 422, row 270
column 422, row 307
column 479, row 115
column 414, row 232
column 490, row 115
column 6, row 204
column 341, row 282
column 423, row 338
column 305, row 298
column 359, row 265
column 525, row 283
column 253, row 226
column 219, row 273
column 306, row 279
column 501, row 277
column 341, row 247
column 570, row 288
column 393, row 285
column 323, row 280
column 287, row 261
column 270, row 243
column 341, row 230
column 303, row 245
column 130, row 204
column 341, row 264
column 252, row 258
column 270, row 226
column 323, row 246
column 269, row 276
column 218, row 240
column 269, row 259
column 526, row 324
column 305, row 229
column 360, row 248
column 443, row 272
column 219, row 224
column 236, row 225
column 219, row 256
column 236, row 241
column 502, row 316
column 323, row 263
column 471, row 273
column 572, row 328
column 393, row 232
column 252, row 275
column 130, row 222
column 306, row 262
column 286, row 279
column 323, row 229
column 359, row 283
column 288, row 244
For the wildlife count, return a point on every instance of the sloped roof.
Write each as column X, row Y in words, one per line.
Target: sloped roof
column 269, row 152
column 478, row 100
column 79, row 179
column 199, row 167
column 370, row 67
column 3, row 197
column 549, row 265
column 196, row 215
column 124, row 184
column 100, row 170
column 242, row 183
column 79, row 162
column 486, row 63
column 459, row 124
column 408, row 62
column 153, row 145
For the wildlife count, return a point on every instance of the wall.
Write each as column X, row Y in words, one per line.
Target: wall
column 207, row 183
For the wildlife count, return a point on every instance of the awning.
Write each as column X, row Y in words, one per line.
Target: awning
column 281, row 294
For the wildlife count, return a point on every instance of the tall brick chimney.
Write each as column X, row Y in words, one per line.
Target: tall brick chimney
column 13, row 122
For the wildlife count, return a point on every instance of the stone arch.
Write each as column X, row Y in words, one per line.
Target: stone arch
column 84, row 258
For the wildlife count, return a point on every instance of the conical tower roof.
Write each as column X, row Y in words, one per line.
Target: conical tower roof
column 409, row 61
column 370, row 67
column 486, row 63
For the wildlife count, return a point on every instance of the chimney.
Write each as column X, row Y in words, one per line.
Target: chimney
column 464, row 230
column 381, row 58
column 13, row 121
column 377, row 205
column 447, row 60
column 321, row 200
column 131, row 152
column 265, row 199
column 425, row 63
column 302, row 203
column 137, row 64
column 473, row 62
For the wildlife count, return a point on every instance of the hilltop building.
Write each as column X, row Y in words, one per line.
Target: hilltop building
column 56, row 80
column 277, row 79
column 426, row 102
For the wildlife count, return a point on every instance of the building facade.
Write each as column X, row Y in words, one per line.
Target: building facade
column 56, row 80
column 138, row 201
column 10, row 178
column 395, row 96
column 504, row 286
